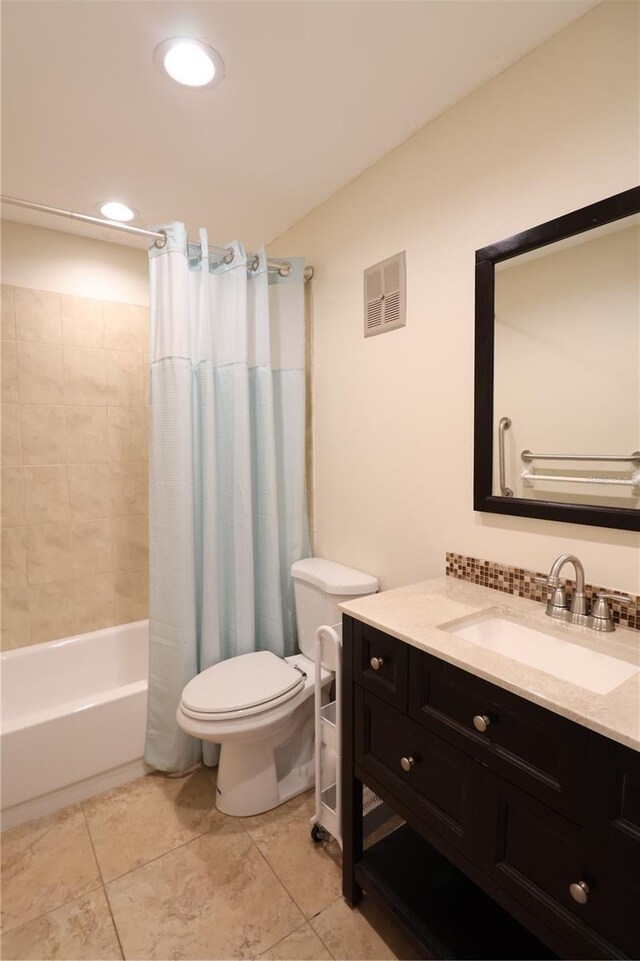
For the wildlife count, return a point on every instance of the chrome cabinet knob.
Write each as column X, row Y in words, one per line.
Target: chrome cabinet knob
column 406, row 763
column 481, row 722
column 376, row 663
column 579, row 891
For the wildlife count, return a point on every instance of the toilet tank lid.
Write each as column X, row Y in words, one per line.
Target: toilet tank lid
column 333, row 578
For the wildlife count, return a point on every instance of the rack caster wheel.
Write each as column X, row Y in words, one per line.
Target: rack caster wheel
column 318, row 834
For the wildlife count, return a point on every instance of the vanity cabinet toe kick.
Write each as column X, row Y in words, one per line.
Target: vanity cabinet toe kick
column 510, row 802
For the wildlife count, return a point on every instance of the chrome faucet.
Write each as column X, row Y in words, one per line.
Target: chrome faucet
column 600, row 617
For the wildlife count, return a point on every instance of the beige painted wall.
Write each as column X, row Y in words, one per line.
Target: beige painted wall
column 70, row 264
column 393, row 415
column 74, row 435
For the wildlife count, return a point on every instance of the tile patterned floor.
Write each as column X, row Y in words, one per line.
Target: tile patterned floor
column 152, row 870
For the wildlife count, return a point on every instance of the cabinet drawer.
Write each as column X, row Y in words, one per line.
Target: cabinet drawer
column 538, row 855
column 617, row 822
column 439, row 783
column 380, row 664
column 540, row 751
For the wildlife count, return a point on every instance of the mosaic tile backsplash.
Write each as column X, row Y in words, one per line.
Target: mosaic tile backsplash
column 522, row 583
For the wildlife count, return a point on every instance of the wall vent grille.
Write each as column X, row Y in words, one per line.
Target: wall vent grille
column 385, row 302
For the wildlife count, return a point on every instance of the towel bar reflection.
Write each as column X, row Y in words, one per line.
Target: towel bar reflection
column 504, row 424
column 632, row 480
column 634, row 458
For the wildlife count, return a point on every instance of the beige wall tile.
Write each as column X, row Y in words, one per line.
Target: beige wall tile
column 128, row 429
column 129, row 489
column 14, row 557
column 75, row 477
column 89, row 491
column 40, row 374
column 37, row 316
column 9, row 373
column 82, row 322
column 125, row 379
column 10, row 435
column 52, row 611
column 8, row 313
column 126, row 327
column 49, row 554
column 87, row 436
column 44, row 434
column 46, row 495
column 130, row 540
column 12, row 497
column 84, row 376
column 91, row 547
column 131, row 595
column 16, row 623
column 94, row 599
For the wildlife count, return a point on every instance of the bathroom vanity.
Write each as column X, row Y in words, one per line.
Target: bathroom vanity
column 520, row 791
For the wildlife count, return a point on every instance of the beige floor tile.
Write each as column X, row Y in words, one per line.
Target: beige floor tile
column 364, row 934
column 214, row 897
column 142, row 820
column 303, row 945
column 82, row 931
column 45, row 864
column 310, row 872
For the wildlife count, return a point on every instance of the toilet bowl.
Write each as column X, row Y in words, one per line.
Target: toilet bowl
column 259, row 707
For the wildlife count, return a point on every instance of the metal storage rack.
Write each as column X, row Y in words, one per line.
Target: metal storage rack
column 327, row 818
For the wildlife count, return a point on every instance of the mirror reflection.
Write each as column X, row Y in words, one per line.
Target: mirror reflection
column 567, row 370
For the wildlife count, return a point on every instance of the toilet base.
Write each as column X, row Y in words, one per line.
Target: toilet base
column 258, row 774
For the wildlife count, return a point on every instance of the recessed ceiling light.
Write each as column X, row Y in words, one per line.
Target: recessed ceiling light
column 190, row 62
column 114, row 210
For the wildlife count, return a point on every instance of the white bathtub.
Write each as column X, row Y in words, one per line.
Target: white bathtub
column 73, row 719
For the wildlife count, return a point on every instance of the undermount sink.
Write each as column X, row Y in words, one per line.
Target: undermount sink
column 555, row 655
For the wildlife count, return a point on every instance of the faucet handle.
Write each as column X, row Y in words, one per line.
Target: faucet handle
column 556, row 596
column 601, row 618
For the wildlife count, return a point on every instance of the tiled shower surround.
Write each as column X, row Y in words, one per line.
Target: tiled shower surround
column 74, row 465
column 522, row 583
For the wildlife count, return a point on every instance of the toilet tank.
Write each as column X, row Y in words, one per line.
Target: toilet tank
column 319, row 586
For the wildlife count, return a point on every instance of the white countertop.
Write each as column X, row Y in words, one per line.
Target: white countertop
column 414, row 614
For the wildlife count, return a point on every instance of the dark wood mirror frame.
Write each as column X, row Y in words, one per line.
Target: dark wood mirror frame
column 595, row 215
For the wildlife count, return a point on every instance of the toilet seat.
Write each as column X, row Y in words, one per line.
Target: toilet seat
column 240, row 687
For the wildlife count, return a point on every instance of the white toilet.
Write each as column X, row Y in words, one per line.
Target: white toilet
column 259, row 707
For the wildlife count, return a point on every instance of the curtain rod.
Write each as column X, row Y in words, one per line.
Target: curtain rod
column 158, row 236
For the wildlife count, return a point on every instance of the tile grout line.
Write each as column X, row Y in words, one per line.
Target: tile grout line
column 58, row 907
column 309, row 920
column 137, row 867
column 284, row 888
column 316, row 932
column 104, row 887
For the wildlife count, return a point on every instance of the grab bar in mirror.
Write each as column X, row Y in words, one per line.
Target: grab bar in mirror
column 633, row 480
column 505, row 424
column 634, row 458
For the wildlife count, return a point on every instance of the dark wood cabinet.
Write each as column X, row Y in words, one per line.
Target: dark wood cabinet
column 533, row 816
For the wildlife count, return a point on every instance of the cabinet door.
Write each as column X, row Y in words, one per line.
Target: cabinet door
column 616, row 795
column 551, row 865
column 439, row 784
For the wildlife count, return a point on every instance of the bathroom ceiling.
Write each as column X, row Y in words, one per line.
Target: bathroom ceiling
column 314, row 93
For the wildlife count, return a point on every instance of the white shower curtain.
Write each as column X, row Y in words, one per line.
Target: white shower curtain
column 227, row 508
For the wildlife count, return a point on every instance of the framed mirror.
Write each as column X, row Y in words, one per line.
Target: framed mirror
column 557, row 369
